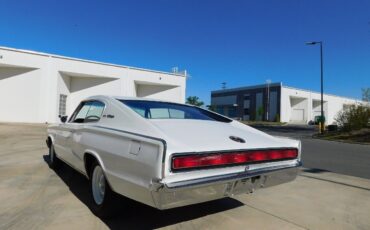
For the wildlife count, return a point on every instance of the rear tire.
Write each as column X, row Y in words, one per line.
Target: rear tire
column 54, row 161
column 104, row 199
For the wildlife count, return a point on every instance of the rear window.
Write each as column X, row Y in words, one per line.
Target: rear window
column 166, row 110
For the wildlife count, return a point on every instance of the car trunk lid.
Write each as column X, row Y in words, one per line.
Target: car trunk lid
column 201, row 136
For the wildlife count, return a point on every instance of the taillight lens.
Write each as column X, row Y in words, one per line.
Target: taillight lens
column 219, row 159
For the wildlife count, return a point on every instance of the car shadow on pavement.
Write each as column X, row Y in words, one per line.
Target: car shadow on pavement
column 134, row 215
column 314, row 170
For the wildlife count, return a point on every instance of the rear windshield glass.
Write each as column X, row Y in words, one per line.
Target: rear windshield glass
column 166, row 110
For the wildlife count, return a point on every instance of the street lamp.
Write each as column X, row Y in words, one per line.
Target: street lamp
column 322, row 126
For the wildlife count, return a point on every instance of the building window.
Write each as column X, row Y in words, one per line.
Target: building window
column 246, row 111
column 220, row 110
column 232, row 112
column 247, row 96
column 247, row 104
column 62, row 104
column 259, row 107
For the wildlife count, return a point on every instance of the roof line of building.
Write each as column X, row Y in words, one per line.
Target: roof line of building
column 85, row 60
column 279, row 84
column 327, row 94
column 247, row 87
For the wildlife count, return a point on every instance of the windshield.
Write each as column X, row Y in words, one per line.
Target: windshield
column 166, row 110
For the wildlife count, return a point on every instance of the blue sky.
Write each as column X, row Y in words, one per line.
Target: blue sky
column 239, row 42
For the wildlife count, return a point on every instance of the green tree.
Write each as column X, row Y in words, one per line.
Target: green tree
column 194, row 100
column 366, row 94
column 260, row 112
column 354, row 117
column 211, row 107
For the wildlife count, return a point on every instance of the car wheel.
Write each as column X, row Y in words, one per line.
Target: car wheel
column 103, row 197
column 54, row 161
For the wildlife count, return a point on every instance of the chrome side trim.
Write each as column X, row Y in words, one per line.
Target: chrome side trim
column 228, row 177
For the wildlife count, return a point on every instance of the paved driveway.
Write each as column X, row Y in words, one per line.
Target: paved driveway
column 32, row 196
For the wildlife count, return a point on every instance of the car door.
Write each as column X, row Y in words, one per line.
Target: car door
column 62, row 134
column 66, row 130
column 89, row 114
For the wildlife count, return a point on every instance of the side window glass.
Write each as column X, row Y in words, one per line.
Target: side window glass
column 81, row 114
column 89, row 112
column 159, row 113
column 140, row 111
column 95, row 111
column 177, row 114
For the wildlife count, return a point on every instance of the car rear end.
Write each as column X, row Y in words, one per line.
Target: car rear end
column 204, row 176
column 208, row 156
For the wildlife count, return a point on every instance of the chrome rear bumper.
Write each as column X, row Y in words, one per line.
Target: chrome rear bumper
column 205, row 189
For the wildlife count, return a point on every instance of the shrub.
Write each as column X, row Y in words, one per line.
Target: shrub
column 354, row 117
column 260, row 112
column 277, row 118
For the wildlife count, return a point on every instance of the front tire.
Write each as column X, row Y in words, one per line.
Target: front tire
column 54, row 161
column 104, row 199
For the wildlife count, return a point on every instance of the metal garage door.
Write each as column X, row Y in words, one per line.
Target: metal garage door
column 297, row 115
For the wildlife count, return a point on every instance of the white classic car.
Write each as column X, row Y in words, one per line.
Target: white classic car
column 167, row 154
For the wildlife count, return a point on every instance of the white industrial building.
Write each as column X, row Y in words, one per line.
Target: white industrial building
column 38, row 87
column 275, row 101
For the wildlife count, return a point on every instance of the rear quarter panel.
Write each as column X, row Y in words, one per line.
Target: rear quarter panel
column 131, row 162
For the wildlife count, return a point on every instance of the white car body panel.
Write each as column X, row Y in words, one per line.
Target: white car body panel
column 135, row 153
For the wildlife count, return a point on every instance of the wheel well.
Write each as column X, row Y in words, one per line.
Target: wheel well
column 89, row 159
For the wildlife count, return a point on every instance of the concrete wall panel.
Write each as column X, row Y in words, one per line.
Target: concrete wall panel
column 20, row 95
column 31, row 82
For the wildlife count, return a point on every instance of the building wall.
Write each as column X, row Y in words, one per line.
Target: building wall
column 291, row 105
column 31, row 84
column 310, row 102
column 248, row 103
column 273, row 106
column 20, row 94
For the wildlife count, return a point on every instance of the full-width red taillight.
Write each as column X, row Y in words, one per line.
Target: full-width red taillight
column 219, row 159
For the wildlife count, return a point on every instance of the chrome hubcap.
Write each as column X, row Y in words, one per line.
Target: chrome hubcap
column 98, row 185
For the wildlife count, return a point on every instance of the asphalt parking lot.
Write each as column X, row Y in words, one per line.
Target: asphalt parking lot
column 333, row 156
column 32, row 196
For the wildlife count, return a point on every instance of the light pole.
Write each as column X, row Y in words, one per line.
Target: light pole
column 322, row 126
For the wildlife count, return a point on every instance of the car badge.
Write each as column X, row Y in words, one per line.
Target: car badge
column 237, row 139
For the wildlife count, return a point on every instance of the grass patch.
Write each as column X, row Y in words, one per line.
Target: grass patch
column 358, row 136
column 264, row 123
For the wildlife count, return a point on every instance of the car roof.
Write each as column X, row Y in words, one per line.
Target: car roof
column 130, row 98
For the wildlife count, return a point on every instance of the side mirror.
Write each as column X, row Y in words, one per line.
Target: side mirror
column 63, row 119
